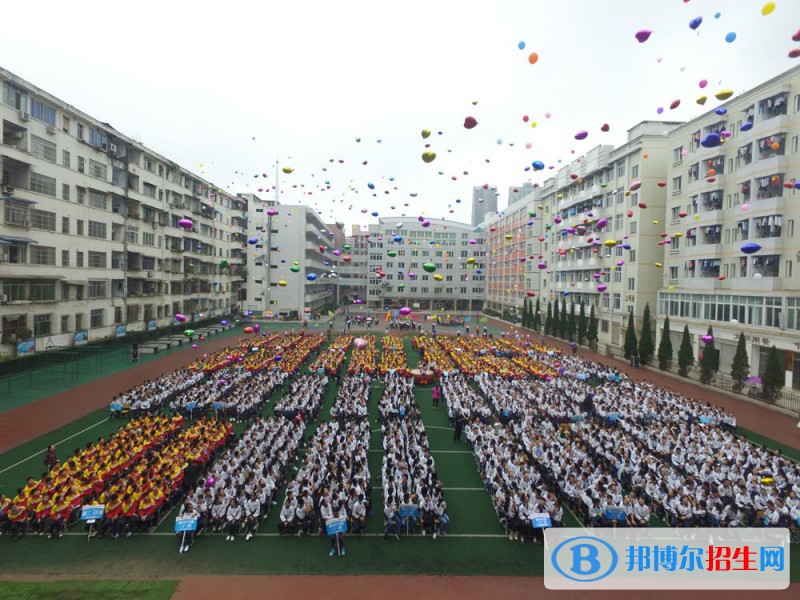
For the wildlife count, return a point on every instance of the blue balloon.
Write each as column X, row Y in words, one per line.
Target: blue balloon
column 751, row 248
column 712, row 140
column 797, row 185
column 695, row 23
column 721, row 110
column 375, row 213
column 371, row 186
column 537, row 165
column 311, row 276
column 458, row 200
column 730, row 37
column 252, row 241
column 521, row 45
column 746, row 126
column 397, row 238
column 717, row 15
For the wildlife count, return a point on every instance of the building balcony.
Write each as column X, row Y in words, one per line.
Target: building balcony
column 702, row 283
column 756, row 284
column 769, row 205
column 773, row 164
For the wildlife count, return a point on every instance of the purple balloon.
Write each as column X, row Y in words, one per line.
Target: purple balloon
column 643, row 35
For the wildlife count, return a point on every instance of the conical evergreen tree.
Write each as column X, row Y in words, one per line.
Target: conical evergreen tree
column 548, row 322
column 591, row 329
column 709, row 364
column 665, row 347
column 563, row 322
column 554, row 330
column 773, row 378
column 582, row 325
column 740, row 367
column 631, row 343
column 685, row 353
column 646, row 343
column 524, row 312
column 572, row 324
column 537, row 317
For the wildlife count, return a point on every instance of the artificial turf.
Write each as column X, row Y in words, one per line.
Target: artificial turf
column 476, row 545
column 162, row 589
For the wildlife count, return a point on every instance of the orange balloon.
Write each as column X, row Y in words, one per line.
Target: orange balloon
column 533, row 58
column 712, row 172
column 775, row 146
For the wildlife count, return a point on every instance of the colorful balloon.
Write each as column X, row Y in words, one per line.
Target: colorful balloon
column 643, row 35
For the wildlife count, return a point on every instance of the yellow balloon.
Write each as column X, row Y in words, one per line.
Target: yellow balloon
column 723, row 95
column 627, row 193
column 767, row 8
column 671, row 288
column 678, row 234
column 702, row 100
column 610, row 243
column 533, row 123
column 655, row 222
column 470, row 260
column 287, row 170
column 658, row 264
column 438, row 277
column 282, row 283
column 509, row 236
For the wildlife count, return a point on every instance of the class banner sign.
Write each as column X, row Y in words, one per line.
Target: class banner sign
column 93, row 512
column 334, row 526
column 408, row 510
column 541, row 520
column 185, row 524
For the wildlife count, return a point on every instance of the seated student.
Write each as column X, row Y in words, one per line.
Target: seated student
column 233, row 519
column 358, row 515
column 325, row 513
column 110, row 522
column 640, row 514
column 442, row 518
column 218, row 510
column 59, row 515
column 304, row 518
column 391, row 520
column 287, row 517
column 17, row 518
column 252, row 511
column 188, row 511
column 427, row 511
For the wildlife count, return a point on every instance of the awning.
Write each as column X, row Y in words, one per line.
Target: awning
column 10, row 239
column 25, row 200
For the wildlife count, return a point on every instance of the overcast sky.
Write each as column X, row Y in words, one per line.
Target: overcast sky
column 225, row 88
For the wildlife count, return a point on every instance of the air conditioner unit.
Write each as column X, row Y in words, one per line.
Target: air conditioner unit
column 151, row 274
column 8, row 189
column 154, row 224
column 3, row 298
column 24, row 116
column 51, row 130
column 112, row 148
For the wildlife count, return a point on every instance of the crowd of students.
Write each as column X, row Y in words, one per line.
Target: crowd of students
column 333, row 481
column 393, row 356
column 352, row 398
column 245, row 400
column 364, row 358
column 241, row 486
column 330, row 361
column 398, row 398
column 154, row 393
column 304, row 397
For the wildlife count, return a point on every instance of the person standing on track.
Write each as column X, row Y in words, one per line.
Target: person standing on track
column 50, row 457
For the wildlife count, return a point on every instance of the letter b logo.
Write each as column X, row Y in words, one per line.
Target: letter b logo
column 584, row 559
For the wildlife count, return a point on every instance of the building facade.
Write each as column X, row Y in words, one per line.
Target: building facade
column 290, row 264
column 352, row 266
column 455, row 256
column 484, row 203
column 731, row 213
column 99, row 235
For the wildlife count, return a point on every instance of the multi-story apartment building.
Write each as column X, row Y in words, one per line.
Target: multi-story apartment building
column 99, row 235
column 291, row 261
column 512, row 248
column 352, row 266
column 731, row 213
column 399, row 253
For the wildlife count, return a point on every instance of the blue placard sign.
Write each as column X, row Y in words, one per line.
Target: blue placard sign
column 613, row 416
column 334, row 526
column 191, row 405
column 408, row 510
column 92, row 512
column 185, row 524
column 217, row 405
column 615, row 513
column 541, row 520
column 706, row 419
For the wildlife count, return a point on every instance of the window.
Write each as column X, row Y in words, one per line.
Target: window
column 80, row 227
column 676, row 185
column 79, row 257
column 788, row 270
column 133, row 235
column 79, row 131
column 81, row 194
column 673, row 274
column 677, row 154
column 97, row 260
column 632, row 256
column 148, row 239
column 66, row 159
column 96, row 317
column 65, row 123
column 621, row 168
column 635, row 171
column 64, row 224
column 43, row 112
column 65, row 258
column 604, row 325
column 631, row 284
column 64, row 323
column 42, row 219
column 98, row 200
column 81, row 164
column 42, row 148
column 15, row 97
column 65, row 191
column 795, row 142
column 43, row 184
column 97, row 230
column 41, row 325
column 43, row 255
column 98, row 138
column 98, row 170
column 632, row 227
column 148, row 189
column 97, row 289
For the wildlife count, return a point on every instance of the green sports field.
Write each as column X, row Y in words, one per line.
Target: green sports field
column 476, row 544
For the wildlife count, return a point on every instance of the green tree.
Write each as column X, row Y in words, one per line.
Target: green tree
column 563, row 322
column 572, row 324
column 591, row 329
column 582, row 325
column 685, row 353
column 646, row 343
column 774, row 377
column 709, row 363
column 740, row 368
column 524, row 312
column 554, row 329
column 665, row 347
column 548, row 322
column 631, row 344
column 537, row 317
